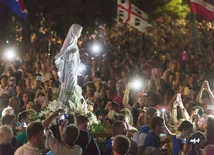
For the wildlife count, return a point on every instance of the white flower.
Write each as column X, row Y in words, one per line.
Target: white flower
column 55, row 105
column 40, row 114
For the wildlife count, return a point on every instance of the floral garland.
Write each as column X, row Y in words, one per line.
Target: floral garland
column 77, row 105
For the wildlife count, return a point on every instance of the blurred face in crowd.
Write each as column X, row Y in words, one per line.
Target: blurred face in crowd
column 19, row 90
column 25, row 98
column 48, row 93
column 30, row 105
column 44, row 67
column 14, row 103
column 143, row 101
column 37, row 65
column 140, row 119
column 202, row 123
column 108, row 94
column 192, row 80
column 123, row 74
column 88, row 78
column 178, row 75
column 116, row 62
column 12, row 124
column 119, row 87
column 161, row 128
column 36, row 83
column 90, row 93
column 83, row 125
column 173, row 66
column 46, row 84
column 123, row 129
column 99, row 86
column 28, row 82
column 110, row 83
column 187, row 66
column 51, row 82
column 188, row 132
column 171, row 78
column 4, row 81
column 200, row 67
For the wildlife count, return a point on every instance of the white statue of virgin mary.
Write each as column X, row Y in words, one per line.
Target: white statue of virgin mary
column 68, row 62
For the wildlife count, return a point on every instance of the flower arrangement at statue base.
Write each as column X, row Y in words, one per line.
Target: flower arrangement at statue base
column 78, row 105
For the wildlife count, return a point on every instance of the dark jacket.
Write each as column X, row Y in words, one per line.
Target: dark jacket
column 87, row 143
column 7, row 149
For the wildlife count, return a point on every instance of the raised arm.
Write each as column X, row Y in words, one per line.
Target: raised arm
column 175, row 114
column 198, row 99
column 183, row 110
column 207, row 88
column 126, row 97
column 47, row 122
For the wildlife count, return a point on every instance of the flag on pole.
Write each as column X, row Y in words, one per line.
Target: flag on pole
column 204, row 8
column 132, row 15
column 17, row 6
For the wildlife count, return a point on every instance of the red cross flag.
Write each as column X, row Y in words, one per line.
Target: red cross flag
column 204, row 8
column 132, row 15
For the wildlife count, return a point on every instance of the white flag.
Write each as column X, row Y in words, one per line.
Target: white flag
column 132, row 15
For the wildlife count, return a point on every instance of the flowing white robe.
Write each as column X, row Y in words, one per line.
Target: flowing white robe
column 68, row 62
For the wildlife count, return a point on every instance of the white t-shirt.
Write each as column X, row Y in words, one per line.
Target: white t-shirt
column 27, row 149
column 58, row 148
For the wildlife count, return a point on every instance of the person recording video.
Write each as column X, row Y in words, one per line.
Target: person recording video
column 195, row 144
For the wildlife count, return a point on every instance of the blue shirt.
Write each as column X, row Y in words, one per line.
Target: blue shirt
column 178, row 144
column 151, row 140
column 144, row 129
column 109, row 146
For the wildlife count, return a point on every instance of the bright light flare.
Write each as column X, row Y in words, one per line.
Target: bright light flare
column 96, row 48
column 81, row 68
column 163, row 109
column 10, row 54
column 136, row 84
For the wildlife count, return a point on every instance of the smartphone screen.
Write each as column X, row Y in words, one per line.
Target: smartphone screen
column 49, row 153
column 24, row 124
column 63, row 117
column 178, row 99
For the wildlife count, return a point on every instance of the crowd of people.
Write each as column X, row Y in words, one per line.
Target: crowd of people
column 169, row 111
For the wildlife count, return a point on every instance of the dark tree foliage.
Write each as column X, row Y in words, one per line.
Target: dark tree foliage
column 60, row 14
column 85, row 12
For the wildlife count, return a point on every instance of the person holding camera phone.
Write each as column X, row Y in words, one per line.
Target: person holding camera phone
column 69, row 135
column 85, row 139
column 208, row 99
column 194, row 144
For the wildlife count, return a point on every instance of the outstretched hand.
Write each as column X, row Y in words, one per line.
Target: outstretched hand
column 206, row 85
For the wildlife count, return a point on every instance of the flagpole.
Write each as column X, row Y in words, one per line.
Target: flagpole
column 118, row 34
column 193, row 21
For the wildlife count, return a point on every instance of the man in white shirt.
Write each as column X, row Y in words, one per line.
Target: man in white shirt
column 36, row 140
